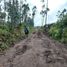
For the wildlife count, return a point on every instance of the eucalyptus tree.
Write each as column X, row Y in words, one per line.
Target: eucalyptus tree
column 9, row 6
column 44, row 11
column 62, row 21
column 16, row 12
column 4, row 10
column 43, row 15
column 33, row 12
column 61, row 13
column 0, row 8
column 2, row 15
column 20, row 10
column 4, row 5
column 13, row 13
column 25, row 9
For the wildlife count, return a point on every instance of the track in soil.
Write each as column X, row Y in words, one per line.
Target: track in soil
column 37, row 50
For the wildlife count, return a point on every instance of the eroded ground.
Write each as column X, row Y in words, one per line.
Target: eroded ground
column 36, row 51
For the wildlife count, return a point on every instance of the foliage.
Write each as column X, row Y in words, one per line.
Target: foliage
column 25, row 12
column 13, row 13
column 55, row 32
column 8, row 38
column 59, row 30
column 64, row 38
column 2, row 15
column 13, row 18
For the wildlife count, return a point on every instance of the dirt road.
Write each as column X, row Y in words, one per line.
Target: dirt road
column 36, row 51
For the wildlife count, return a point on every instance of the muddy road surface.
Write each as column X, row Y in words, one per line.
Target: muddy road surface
column 37, row 50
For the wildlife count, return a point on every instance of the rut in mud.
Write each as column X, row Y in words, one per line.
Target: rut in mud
column 37, row 50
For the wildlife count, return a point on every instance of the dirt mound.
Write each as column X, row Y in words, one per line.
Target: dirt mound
column 37, row 50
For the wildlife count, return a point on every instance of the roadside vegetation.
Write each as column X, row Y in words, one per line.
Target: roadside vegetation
column 13, row 18
column 58, row 30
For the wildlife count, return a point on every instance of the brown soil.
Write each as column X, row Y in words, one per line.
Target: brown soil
column 37, row 50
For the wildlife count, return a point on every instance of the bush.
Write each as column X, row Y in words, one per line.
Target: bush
column 58, row 33
column 9, row 36
column 4, row 34
column 64, row 37
column 54, row 31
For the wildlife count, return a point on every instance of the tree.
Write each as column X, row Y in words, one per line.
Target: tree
column 20, row 10
column 13, row 13
column 43, row 15
column 59, row 29
column 63, row 20
column 2, row 15
column 33, row 12
column 0, row 8
column 44, row 11
column 61, row 14
column 25, row 12
column 4, row 5
column 30, row 22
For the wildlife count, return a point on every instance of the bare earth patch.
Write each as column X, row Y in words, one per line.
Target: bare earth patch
column 37, row 50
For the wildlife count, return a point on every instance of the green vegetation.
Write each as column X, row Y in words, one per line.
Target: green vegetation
column 12, row 21
column 8, row 37
column 58, row 30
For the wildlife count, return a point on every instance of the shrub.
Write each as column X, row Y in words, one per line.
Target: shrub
column 55, row 32
column 64, row 37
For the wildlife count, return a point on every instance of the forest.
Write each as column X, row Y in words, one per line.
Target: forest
column 13, row 17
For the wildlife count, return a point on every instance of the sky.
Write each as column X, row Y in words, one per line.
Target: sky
column 53, row 5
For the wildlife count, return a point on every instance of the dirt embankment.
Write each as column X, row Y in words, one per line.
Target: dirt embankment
column 36, row 51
